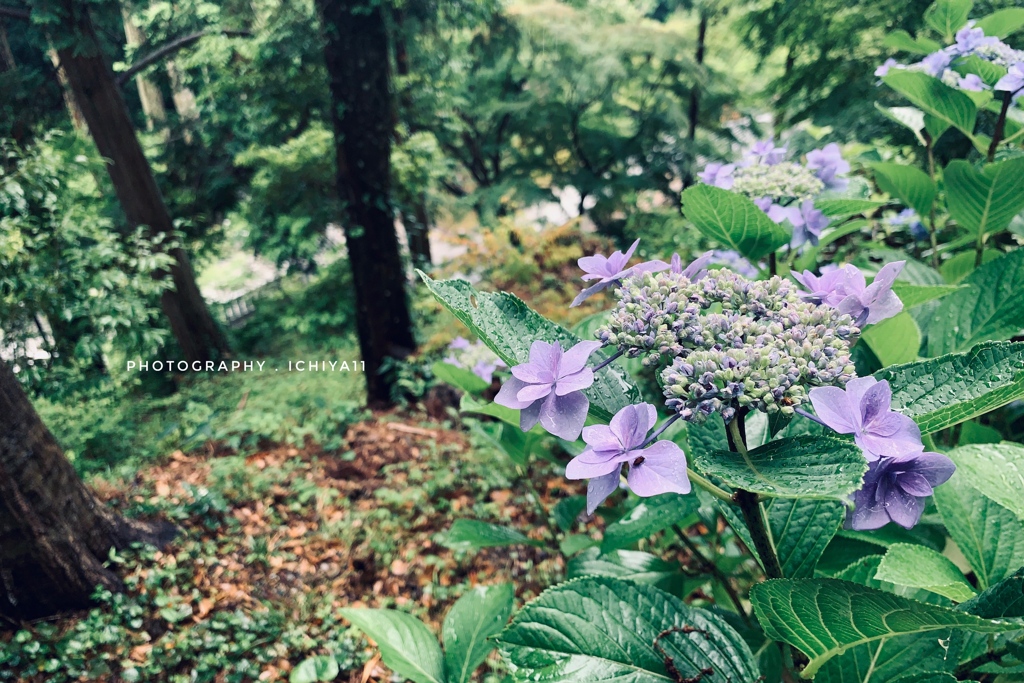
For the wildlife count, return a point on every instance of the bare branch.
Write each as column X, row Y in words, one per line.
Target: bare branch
column 172, row 47
column 14, row 13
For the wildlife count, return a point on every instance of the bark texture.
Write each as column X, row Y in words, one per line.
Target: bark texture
column 96, row 93
column 54, row 534
column 357, row 59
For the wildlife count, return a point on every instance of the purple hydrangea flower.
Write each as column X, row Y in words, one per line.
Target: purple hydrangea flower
column 653, row 469
column 459, row 343
column 883, row 68
column 846, row 289
column 608, row 270
column 972, row 82
column 807, row 221
column 549, row 388
column 718, row 175
column 863, row 410
column 936, row 63
column 969, row 39
column 765, row 152
column 485, row 370
column 1013, row 81
column 910, row 218
column 828, row 165
column 895, row 489
column 697, row 268
column 734, row 262
column 765, row 204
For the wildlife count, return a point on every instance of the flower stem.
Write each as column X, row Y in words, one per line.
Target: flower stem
column 708, row 486
column 607, row 360
column 709, row 567
column 661, row 430
column 814, row 418
column 997, row 134
column 751, row 508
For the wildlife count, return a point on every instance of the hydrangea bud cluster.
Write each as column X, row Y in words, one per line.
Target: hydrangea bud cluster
column 785, row 179
column 730, row 342
column 971, row 41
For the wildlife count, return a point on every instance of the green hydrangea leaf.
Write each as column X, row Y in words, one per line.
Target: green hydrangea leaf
column 733, row 221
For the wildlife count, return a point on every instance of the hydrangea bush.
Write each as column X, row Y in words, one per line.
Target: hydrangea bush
column 820, row 418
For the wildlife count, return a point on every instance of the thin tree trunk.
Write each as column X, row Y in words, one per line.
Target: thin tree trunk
column 96, row 93
column 357, row 59
column 694, row 114
column 149, row 94
column 417, row 228
column 7, row 62
column 54, row 534
column 77, row 120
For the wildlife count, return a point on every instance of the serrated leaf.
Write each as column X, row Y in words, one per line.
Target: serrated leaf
column 865, row 572
column 802, row 530
column 901, row 40
column 989, row 72
column 599, row 630
column 631, row 565
column 407, row 646
column 460, row 378
column 1002, row 23
column 941, row 392
column 915, row 295
column 984, row 202
column 919, row 567
column 947, row 105
column 946, row 17
column 648, row 518
column 733, row 221
column 996, row 469
column 929, row 535
column 315, row 670
column 990, row 537
column 894, row 340
column 478, row 615
column 1002, row 600
column 825, row 617
column 909, row 184
column 911, row 118
column 509, row 327
column 818, row 468
column 471, row 533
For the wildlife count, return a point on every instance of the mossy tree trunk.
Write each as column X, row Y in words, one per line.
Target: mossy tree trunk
column 54, row 534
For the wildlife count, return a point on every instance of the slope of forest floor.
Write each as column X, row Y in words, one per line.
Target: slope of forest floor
column 272, row 542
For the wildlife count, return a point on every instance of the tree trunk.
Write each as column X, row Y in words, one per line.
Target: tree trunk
column 54, row 534
column 357, row 59
column 77, row 120
column 694, row 114
column 7, row 62
column 149, row 94
column 417, row 230
column 96, row 93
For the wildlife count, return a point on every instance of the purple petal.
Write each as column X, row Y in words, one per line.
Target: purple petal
column 833, row 407
column 575, row 359
column 589, row 292
column 533, row 373
column 660, row 469
column 936, row 467
column 577, row 382
column 595, row 265
column 530, row 416
column 545, row 355
column 564, row 416
column 886, row 307
column 600, row 488
column 902, row 508
column 857, row 387
column 890, row 442
column 867, row 514
column 580, row 468
column 629, row 252
column 654, row 266
column 508, row 395
column 534, row 392
column 875, row 403
column 914, row 484
column 632, row 423
column 692, row 271
column 601, row 438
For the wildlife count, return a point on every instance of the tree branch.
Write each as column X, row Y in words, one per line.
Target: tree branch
column 14, row 13
column 172, row 47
